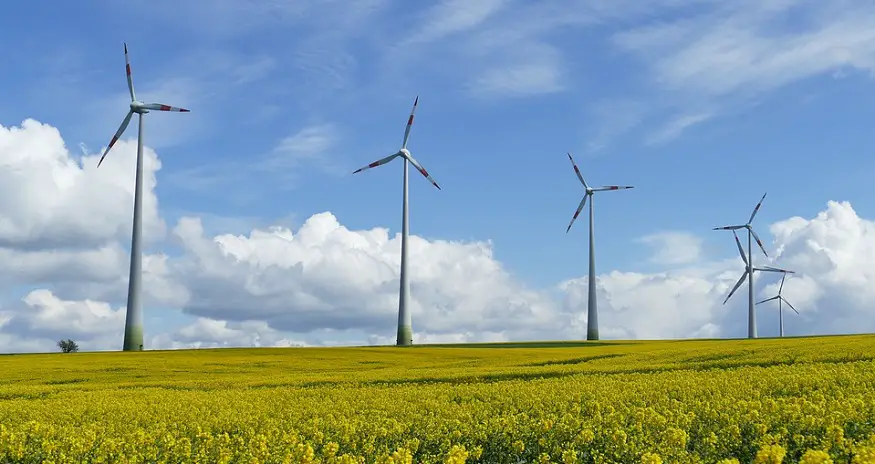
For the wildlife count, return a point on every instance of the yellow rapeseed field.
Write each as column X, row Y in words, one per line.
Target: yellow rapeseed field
column 809, row 400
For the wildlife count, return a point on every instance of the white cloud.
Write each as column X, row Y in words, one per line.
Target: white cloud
column 674, row 127
column 674, row 248
column 309, row 144
column 52, row 198
column 453, row 16
column 210, row 333
column 279, row 167
column 327, row 276
column 45, row 316
column 491, row 48
column 725, row 55
column 518, row 80
column 664, row 305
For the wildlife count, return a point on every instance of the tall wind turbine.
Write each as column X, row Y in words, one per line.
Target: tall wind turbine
column 781, row 300
column 592, row 317
column 751, row 315
column 405, row 326
column 134, row 316
column 749, row 268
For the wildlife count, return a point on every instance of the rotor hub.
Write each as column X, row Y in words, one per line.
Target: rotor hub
column 137, row 107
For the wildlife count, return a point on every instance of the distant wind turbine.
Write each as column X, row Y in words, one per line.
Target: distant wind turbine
column 134, row 317
column 749, row 269
column 592, row 318
column 781, row 300
column 405, row 326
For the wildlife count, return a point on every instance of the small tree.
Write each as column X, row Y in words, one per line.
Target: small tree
column 68, row 346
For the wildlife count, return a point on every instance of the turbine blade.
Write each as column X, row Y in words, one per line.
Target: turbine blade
column 729, row 228
column 769, row 299
column 788, row 304
column 757, row 208
column 771, row 269
column 757, row 238
column 115, row 137
column 128, row 72
column 775, row 269
column 378, row 163
column 162, row 107
column 577, row 213
column 740, row 249
column 421, row 170
column 737, row 284
column 577, row 171
column 782, row 284
column 612, row 187
column 409, row 123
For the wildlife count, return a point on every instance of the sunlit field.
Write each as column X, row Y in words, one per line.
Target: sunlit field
column 766, row 400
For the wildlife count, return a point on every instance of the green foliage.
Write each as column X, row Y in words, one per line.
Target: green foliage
column 68, row 346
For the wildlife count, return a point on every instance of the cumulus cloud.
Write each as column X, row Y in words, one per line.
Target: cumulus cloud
column 210, row 333
column 650, row 306
column 51, row 198
column 834, row 252
column 327, row 276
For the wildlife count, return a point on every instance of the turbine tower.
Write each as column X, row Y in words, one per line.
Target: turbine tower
column 405, row 326
column 749, row 269
column 134, row 316
column 781, row 300
column 592, row 318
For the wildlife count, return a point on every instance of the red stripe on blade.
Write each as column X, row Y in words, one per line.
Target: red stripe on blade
column 165, row 108
column 128, row 68
column 410, row 120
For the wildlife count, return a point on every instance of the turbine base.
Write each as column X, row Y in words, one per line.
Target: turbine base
column 133, row 339
column 405, row 336
column 592, row 335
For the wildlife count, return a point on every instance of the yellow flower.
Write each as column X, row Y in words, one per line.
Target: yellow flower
column 815, row 457
column 770, row 454
column 864, row 456
column 519, row 446
column 458, row 455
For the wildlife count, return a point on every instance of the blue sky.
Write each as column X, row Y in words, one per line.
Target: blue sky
column 701, row 105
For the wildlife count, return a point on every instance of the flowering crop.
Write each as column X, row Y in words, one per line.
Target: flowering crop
column 809, row 400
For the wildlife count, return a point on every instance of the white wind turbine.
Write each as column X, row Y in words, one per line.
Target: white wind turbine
column 750, row 269
column 751, row 315
column 405, row 326
column 592, row 318
column 781, row 300
column 134, row 317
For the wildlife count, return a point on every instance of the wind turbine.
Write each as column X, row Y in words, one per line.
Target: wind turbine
column 134, row 316
column 781, row 300
column 405, row 326
column 749, row 269
column 751, row 315
column 592, row 318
